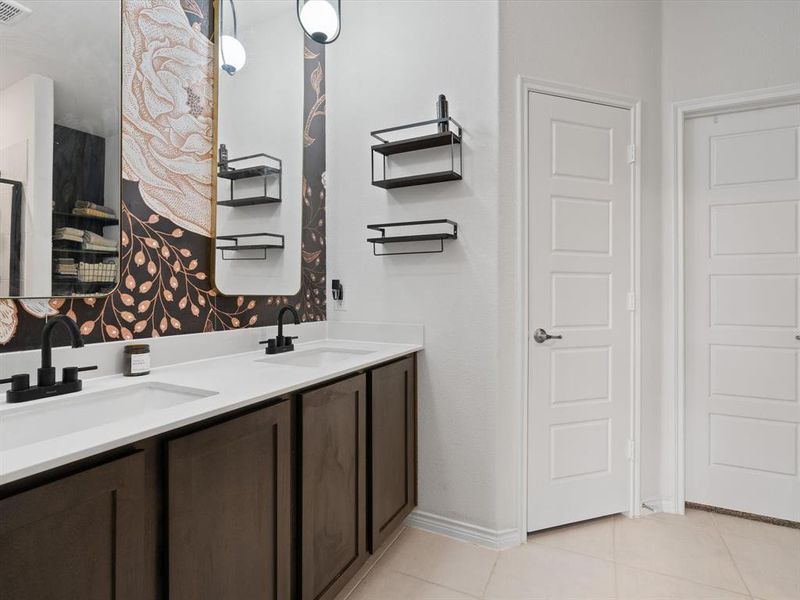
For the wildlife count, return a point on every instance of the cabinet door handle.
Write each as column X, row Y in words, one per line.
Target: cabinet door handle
column 541, row 336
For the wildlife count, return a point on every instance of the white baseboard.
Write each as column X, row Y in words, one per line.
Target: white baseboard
column 465, row 532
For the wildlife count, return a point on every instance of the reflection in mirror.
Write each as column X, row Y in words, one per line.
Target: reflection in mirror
column 260, row 148
column 59, row 148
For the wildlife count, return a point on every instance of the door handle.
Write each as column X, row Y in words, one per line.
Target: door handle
column 541, row 336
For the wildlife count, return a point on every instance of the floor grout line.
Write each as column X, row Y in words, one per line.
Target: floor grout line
column 685, row 533
column 678, row 577
column 428, row 581
column 491, row 573
column 730, row 554
column 378, row 556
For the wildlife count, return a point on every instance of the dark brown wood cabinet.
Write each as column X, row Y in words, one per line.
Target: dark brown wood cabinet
column 333, row 489
column 229, row 509
column 81, row 536
column 393, row 441
column 279, row 501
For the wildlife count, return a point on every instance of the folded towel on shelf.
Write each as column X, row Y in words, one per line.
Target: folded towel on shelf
column 94, row 239
column 66, row 267
column 86, row 204
column 82, row 207
column 98, row 247
column 70, row 230
column 68, row 233
column 91, row 212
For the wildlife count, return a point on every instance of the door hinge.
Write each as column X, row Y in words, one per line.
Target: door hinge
column 631, row 450
column 631, row 301
column 632, row 153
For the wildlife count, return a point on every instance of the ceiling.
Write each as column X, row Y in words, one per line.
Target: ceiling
column 75, row 43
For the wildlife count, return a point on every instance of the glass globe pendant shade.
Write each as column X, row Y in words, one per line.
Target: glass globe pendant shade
column 232, row 56
column 320, row 20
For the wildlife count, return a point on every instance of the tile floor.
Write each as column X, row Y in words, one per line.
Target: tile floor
column 698, row 556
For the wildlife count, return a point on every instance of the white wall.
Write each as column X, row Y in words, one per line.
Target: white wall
column 26, row 115
column 387, row 68
column 710, row 49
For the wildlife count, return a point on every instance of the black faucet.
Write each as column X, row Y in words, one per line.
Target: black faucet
column 282, row 343
column 46, row 384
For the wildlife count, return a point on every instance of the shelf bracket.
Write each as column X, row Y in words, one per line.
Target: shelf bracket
column 376, row 253
column 235, row 249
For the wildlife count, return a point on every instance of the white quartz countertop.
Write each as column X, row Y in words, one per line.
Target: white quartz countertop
column 234, row 381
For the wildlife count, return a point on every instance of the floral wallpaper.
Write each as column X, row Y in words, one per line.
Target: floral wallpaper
column 167, row 150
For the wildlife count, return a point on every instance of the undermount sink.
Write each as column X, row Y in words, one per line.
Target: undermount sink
column 316, row 357
column 31, row 423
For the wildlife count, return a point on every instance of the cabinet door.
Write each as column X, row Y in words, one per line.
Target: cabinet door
column 333, row 486
column 79, row 537
column 393, row 437
column 229, row 512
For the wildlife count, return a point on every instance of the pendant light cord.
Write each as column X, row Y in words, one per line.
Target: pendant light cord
column 222, row 30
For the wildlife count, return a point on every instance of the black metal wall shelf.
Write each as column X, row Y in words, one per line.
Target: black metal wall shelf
column 418, row 237
column 253, row 201
column 447, row 138
column 264, row 171
column 409, row 180
column 249, row 172
column 85, row 219
column 237, row 247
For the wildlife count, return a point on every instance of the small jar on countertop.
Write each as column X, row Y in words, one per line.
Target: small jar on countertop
column 137, row 360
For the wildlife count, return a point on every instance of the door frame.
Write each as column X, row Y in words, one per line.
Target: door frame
column 681, row 111
column 526, row 86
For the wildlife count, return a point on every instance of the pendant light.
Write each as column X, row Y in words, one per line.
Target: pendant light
column 232, row 56
column 320, row 19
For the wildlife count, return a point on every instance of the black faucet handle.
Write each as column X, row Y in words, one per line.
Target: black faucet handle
column 19, row 382
column 70, row 374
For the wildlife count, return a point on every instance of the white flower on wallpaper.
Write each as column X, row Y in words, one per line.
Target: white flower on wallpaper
column 8, row 320
column 42, row 308
column 167, row 124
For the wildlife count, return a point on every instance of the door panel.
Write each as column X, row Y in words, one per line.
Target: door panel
column 333, row 438
column 742, row 195
column 393, row 439
column 78, row 537
column 229, row 509
column 580, row 208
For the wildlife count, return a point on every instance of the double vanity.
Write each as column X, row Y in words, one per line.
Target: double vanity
column 233, row 477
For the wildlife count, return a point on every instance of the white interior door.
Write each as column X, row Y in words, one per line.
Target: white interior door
column 581, row 274
column 742, row 189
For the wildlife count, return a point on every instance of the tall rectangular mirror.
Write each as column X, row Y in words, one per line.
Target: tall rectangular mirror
column 60, row 71
column 259, row 148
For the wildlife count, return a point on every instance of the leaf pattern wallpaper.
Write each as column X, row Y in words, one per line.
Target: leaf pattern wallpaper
column 167, row 150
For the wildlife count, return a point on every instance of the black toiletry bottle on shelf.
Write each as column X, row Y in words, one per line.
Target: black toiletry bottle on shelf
column 223, row 158
column 442, row 112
